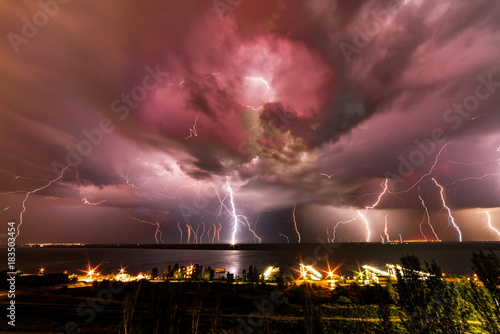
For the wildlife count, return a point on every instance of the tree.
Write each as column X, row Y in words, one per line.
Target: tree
column 428, row 302
column 153, row 273
column 384, row 303
column 480, row 297
column 486, row 299
column 487, row 269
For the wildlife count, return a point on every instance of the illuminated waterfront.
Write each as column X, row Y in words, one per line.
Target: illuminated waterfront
column 348, row 257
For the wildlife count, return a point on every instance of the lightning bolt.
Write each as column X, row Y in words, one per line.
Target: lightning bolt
column 128, row 181
column 362, row 214
column 235, row 223
column 381, row 237
column 343, row 223
column 158, row 233
column 284, row 236
column 425, row 175
column 420, row 227
column 426, row 214
column 208, row 234
column 489, row 223
column 328, row 176
column 34, row 191
column 233, row 213
column 16, row 177
column 196, row 240
column 400, row 238
column 451, row 219
column 180, row 230
column 367, row 225
column 295, row 223
column 472, row 178
column 260, row 80
column 193, row 130
column 250, row 227
column 202, row 233
column 386, row 229
column 215, row 232
column 189, row 230
column 84, row 199
column 218, row 232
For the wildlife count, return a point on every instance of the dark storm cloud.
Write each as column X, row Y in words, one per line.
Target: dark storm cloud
column 349, row 116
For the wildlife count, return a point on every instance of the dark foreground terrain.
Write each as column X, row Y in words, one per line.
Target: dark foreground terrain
column 201, row 307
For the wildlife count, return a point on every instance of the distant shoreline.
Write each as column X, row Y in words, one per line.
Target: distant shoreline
column 472, row 245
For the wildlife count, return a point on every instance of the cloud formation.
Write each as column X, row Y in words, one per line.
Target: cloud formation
column 160, row 106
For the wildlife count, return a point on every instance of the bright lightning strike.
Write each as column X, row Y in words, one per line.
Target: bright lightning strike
column 180, row 230
column 367, row 225
column 189, row 230
column 451, row 219
column 218, row 232
column 285, row 236
column 202, row 233
column 428, row 219
column 235, row 226
column 362, row 214
column 128, row 181
column 489, row 223
column 85, row 201
column 295, row 222
column 425, row 175
column 215, row 232
column 260, row 80
column 34, row 191
column 158, row 233
column 193, row 130
column 233, row 213
column 386, row 229
column 196, row 238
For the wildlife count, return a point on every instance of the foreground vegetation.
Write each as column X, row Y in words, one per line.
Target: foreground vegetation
column 412, row 304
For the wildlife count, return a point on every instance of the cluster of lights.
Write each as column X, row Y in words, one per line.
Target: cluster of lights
column 310, row 271
column 307, row 272
column 189, row 271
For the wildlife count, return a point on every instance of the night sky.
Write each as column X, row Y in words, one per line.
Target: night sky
column 346, row 117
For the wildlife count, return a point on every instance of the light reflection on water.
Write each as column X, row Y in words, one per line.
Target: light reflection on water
column 451, row 260
column 142, row 260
